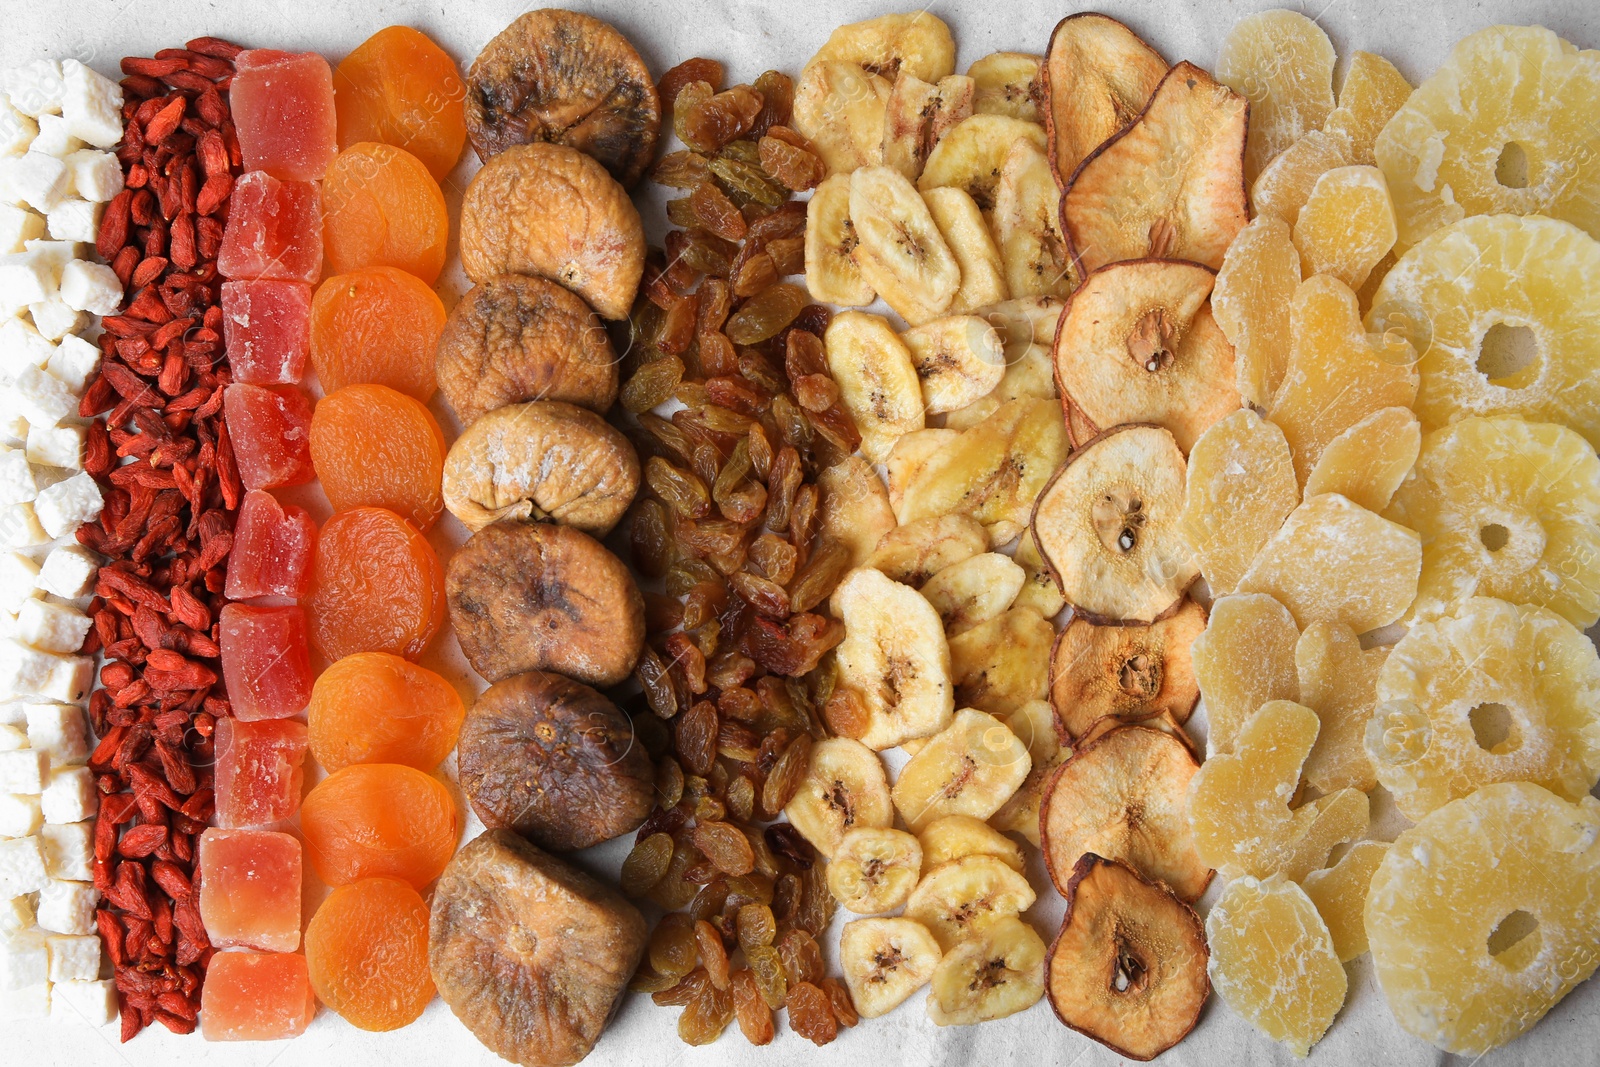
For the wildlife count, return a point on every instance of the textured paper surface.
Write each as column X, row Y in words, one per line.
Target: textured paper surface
column 748, row 37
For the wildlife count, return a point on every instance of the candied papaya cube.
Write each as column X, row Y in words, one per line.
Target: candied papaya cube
column 284, row 111
column 266, row 662
column 266, row 327
column 274, row 230
column 256, row 996
column 272, row 548
column 259, row 770
column 250, row 889
column 270, row 428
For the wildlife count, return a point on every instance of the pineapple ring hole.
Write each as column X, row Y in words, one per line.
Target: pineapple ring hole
column 1494, row 536
column 1511, row 168
column 1493, row 727
column 1506, row 351
column 1515, row 940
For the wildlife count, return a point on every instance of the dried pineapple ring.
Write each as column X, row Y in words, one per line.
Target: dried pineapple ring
column 1508, row 509
column 1445, row 897
column 1477, row 285
column 1496, row 692
column 1504, row 125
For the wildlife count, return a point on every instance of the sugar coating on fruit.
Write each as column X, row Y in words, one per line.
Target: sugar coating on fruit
column 1244, row 658
column 1239, row 802
column 1462, row 884
column 1372, row 91
column 1334, row 561
column 1336, row 376
column 1346, row 226
column 1251, row 299
column 1508, row 509
column 1368, row 461
column 1495, row 129
column 1281, row 62
column 1272, row 960
column 1493, row 692
column 1338, row 681
column 1283, row 188
column 1240, row 487
column 1507, row 312
column 1340, row 895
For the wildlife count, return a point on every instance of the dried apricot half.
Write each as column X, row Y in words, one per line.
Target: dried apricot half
column 374, row 707
column 367, row 951
column 379, row 820
column 381, row 208
column 374, row 447
column 400, row 88
column 376, row 326
column 376, row 586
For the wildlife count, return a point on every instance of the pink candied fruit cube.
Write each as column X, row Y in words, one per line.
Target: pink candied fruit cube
column 250, row 889
column 270, row 430
column 283, row 109
column 256, row 996
column 266, row 663
column 274, row 230
column 272, row 548
column 266, row 327
column 260, row 769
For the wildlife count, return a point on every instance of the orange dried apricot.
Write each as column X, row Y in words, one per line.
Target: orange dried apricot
column 381, row 208
column 379, row 820
column 376, row 586
column 374, row 707
column 400, row 88
column 374, row 447
column 376, row 326
column 367, row 951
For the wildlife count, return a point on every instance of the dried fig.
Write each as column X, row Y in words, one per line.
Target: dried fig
column 531, row 954
column 555, row 761
column 570, row 79
column 516, row 338
column 531, row 596
column 541, row 460
column 550, row 210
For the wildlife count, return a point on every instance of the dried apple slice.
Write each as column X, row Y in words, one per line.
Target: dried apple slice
column 1163, row 722
column 1368, row 461
column 1171, row 185
column 1107, row 525
column 1251, row 299
column 1098, row 76
column 1124, row 797
column 1239, row 803
column 1241, row 487
column 1282, row 62
column 1126, row 673
column 1340, row 895
column 1138, row 343
column 1244, row 659
column 1129, row 965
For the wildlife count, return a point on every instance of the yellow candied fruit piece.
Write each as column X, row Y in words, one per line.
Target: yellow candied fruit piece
column 1272, row 960
column 1340, row 895
column 1250, row 301
column 1282, row 63
column 1372, row 92
column 1338, row 681
column 1449, row 900
column 1495, row 692
column 1240, row 487
column 1368, row 461
column 1244, row 658
column 1239, row 801
column 1334, row 561
column 1285, row 186
column 1337, row 376
column 1347, row 225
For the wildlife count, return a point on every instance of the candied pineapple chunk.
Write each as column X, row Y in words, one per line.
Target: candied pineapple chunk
column 1336, row 376
column 1368, row 461
column 1505, row 124
column 1454, row 892
column 1507, row 509
column 1338, row 681
column 1273, row 962
column 1340, row 894
column 1240, row 488
column 1251, row 301
column 1334, row 561
column 1372, row 92
column 1244, row 658
column 1285, row 186
column 1239, row 801
column 1282, row 63
column 1512, row 308
column 1495, row 692
column 1347, row 225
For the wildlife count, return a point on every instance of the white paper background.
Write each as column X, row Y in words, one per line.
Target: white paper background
column 749, row 37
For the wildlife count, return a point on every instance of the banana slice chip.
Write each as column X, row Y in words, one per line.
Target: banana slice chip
column 1003, row 663
column 919, row 44
column 895, row 656
column 853, row 507
column 915, row 552
column 959, row 358
column 831, row 272
column 874, row 869
column 955, row 836
column 908, row 455
column 956, row 899
column 996, row 972
column 877, row 381
column 1009, row 83
column 1027, row 225
column 885, row 961
column 970, row 768
column 983, row 279
column 974, row 590
column 973, row 153
column 917, row 115
column 899, row 249
column 845, row 787
column 840, row 109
